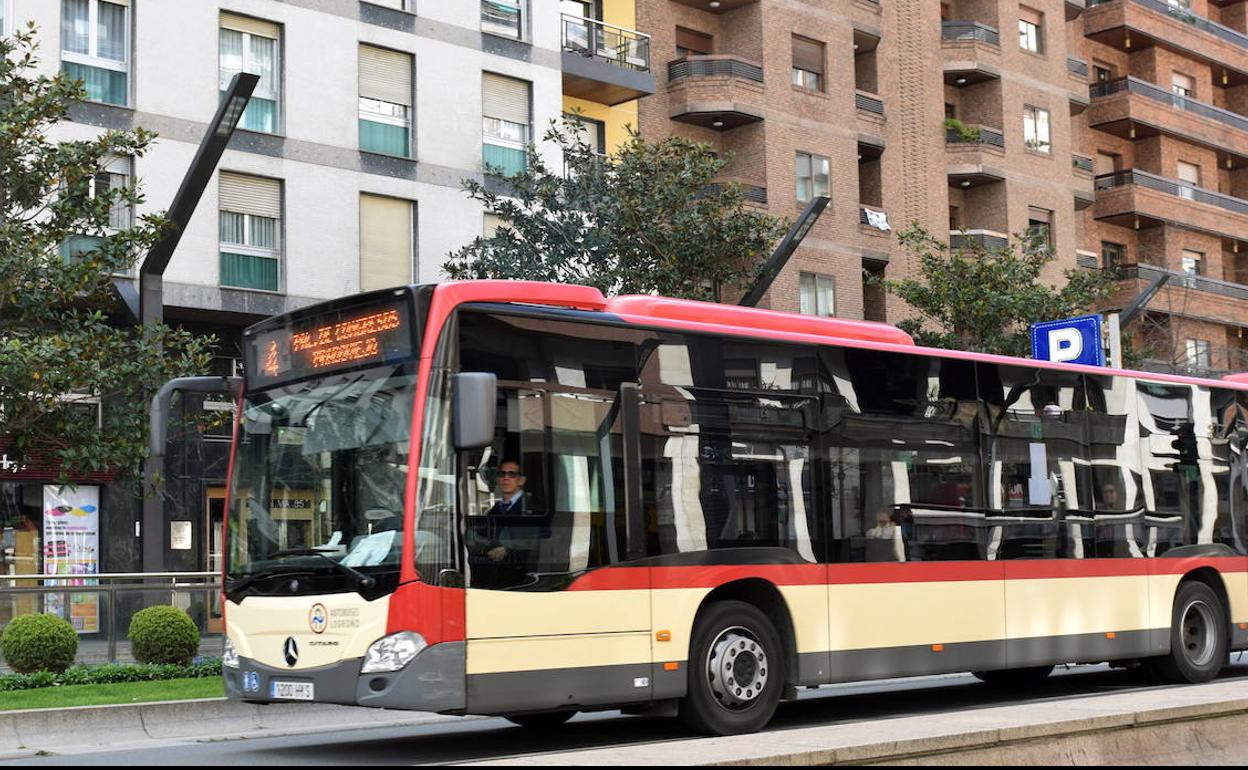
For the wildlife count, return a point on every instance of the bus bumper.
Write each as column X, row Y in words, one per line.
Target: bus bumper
column 433, row 681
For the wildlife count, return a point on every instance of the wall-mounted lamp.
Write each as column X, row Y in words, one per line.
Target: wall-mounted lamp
column 965, row 183
column 960, row 81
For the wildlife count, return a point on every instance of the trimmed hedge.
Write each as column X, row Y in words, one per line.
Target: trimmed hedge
column 165, row 635
column 39, row 643
column 111, row 673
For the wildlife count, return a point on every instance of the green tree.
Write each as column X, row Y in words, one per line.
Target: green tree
column 647, row 219
column 62, row 239
column 984, row 299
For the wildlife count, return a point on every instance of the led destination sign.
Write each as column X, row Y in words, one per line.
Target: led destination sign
column 337, row 340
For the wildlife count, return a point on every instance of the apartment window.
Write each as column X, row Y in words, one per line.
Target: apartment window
column 1189, row 175
column 807, row 63
column 1198, row 354
column 1040, row 226
column 1030, row 29
column 692, row 43
column 817, row 294
column 1181, row 84
column 95, row 47
column 385, row 242
column 385, row 101
column 1101, row 72
column 503, row 17
column 1036, row 129
column 505, row 115
column 114, row 176
column 1108, row 163
column 251, row 225
column 252, row 45
column 812, row 176
column 1113, row 255
column 1193, row 263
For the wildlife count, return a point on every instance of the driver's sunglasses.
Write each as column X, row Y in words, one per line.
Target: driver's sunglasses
column 509, row 474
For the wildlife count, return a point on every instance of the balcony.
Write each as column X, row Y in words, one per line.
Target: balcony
column 969, row 33
column 1082, row 164
column 1135, row 24
column 603, row 63
column 1139, row 199
column 1135, row 109
column 751, row 193
column 1074, row 8
column 718, row 92
column 869, row 103
column 1077, row 68
column 1223, row 300
column 973, row 156
column 986, row 239
column 874, row 220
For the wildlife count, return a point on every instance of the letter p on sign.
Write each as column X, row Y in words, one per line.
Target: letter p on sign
column 1065, row 344
column 1069, row 341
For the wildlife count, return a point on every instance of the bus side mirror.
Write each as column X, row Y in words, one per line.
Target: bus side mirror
column 475, row 395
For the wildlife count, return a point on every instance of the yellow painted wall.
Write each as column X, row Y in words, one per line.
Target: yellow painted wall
column 621, row 13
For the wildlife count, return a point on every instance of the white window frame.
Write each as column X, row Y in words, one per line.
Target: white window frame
column 1030, row 36
column 1182, row 90
column 1032, row 139
column 373, row 110
column 522, row 12
column 1198, row 354
column 274, row 94
column 500, row 132
column 822, row 283
column 92, row 58
column 814, row 185
column 248, row 248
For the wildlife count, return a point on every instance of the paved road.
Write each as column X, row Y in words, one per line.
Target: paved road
column 468, row 740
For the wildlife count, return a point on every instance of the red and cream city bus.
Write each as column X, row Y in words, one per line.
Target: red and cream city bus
column 527, row 500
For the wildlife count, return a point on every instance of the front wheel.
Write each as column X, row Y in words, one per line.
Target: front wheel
column 545, row 721
column 1198, row 636
column 736, row 671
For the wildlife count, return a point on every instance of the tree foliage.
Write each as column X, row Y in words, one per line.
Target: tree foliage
column 647, row 219
column 984, row 299
column 60, row 246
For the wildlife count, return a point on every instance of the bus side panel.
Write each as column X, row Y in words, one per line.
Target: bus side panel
column 532, row 651
column 1164, row 578
column 915, row 619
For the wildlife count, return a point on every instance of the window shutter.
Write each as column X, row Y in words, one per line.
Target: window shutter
column 1189, row 172
column 253, row 26
column 251, row 195
column 385, row 75
column 505, row 98
column 1038, row 215
column 807, row 55
column 385, row 242
column 1030, row 16
column 696, row 42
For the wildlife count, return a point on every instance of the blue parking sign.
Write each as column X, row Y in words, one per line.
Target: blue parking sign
column 1071, row 341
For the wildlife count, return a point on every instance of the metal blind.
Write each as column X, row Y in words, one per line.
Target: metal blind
column 385, row 242
column 251, row 195
column 696, row 42
column 253, row 26
column 505, row 98
column 385, row 75
column 1030, row 16
column 807, row 55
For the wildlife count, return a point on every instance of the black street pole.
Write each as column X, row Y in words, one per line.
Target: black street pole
column 151, row 300
column 780, row 257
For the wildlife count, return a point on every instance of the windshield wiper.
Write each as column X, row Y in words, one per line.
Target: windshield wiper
column 364, row 581
column 241, row 583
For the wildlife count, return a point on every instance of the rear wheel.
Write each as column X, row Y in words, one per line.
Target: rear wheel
column 736, row 670
column 1198, row 638
column 545, row 721
column 1014, row 677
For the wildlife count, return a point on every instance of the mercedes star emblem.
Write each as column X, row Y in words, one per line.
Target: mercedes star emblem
column 291, row 651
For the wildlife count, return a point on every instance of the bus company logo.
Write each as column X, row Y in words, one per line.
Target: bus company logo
column 318, row 618
column 290, row 651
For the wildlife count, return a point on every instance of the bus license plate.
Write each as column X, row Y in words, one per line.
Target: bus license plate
column 290, row 690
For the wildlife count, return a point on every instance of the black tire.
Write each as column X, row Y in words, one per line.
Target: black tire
column 729, row 634
column 1014, row 677
column 1198, row 636
column 548, row 720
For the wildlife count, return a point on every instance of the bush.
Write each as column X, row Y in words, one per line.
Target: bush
column 111, row 673
column 39, row 643
column 163, row 635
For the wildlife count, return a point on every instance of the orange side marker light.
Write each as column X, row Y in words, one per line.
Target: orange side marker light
column 671, row 666
column 1111, row 635
column 938, row 648
column 663, row 636
column 1243, row 626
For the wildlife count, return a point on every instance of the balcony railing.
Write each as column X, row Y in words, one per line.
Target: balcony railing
column 750, row 192
column 1159, row 94
column 969, row 30
column 1081, row 162
column 989, row 136
column 868, row 102
column 988, row 239
column 1076, row 66
column 1171, row 187
column 607, row 43
column 1186, row 16
column 1186, row 280
column 699, row 66
column 872, row 216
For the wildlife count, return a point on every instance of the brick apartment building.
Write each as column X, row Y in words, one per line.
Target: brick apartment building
column 1112, row 128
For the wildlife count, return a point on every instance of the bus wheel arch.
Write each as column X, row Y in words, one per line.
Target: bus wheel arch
column 1212, row 578
column 767, row 598
column 1199, row 611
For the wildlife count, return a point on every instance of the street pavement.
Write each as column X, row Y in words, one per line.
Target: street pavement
column 958, row 698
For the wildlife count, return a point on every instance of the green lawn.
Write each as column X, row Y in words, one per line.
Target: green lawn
column 103, row 694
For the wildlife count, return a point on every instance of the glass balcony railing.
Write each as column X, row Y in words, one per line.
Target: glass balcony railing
column 605, row 42
column 969, row 30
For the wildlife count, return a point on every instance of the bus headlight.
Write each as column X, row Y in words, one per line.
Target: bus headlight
column 391, row 653
column 229, row 658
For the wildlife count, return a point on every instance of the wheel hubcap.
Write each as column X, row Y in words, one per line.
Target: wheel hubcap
column 1199, row 643
column 736, row 668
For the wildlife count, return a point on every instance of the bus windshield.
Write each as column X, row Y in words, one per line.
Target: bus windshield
column 318, row 491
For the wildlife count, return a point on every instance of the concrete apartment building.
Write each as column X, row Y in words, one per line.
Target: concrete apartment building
column 345, row 174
